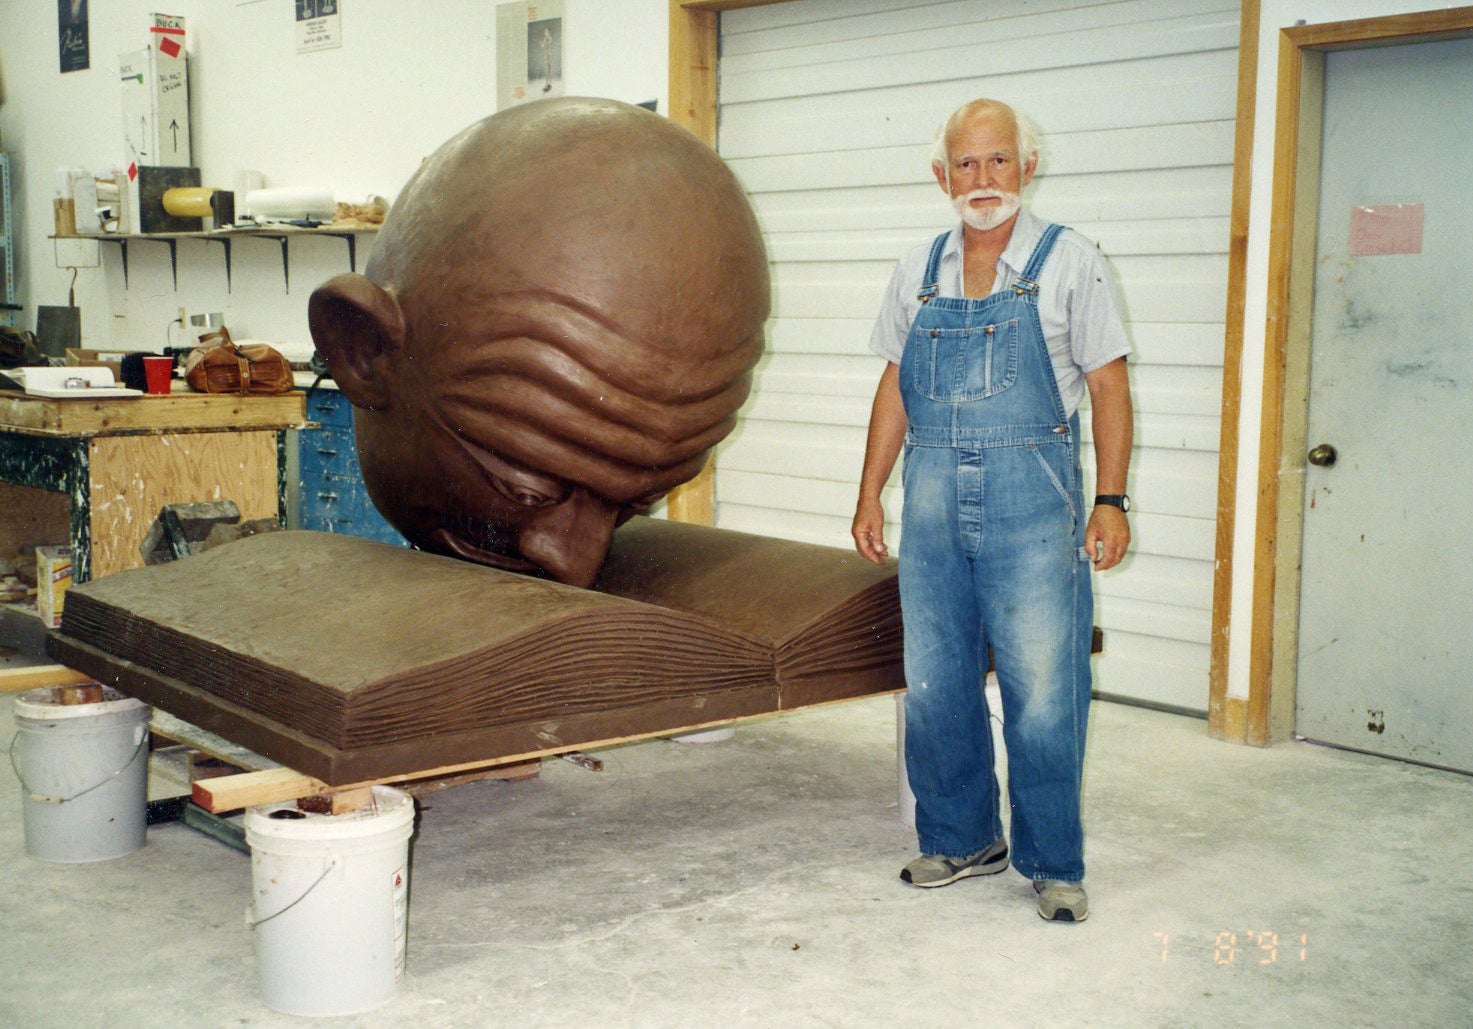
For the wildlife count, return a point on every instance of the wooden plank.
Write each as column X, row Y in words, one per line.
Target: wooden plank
column 177, row 412
column 166, row 726
column 34, row 677
column 132, row 477
column 278, row 785
column 1416, row 27
column 249, row 789
column 692, row 81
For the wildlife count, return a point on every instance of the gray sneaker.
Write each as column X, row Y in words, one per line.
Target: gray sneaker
column 930, row 870
column 1061, row 901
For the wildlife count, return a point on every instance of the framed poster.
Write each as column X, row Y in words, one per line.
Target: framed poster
column 529, row 52
column 319, row 25
column 71, row 35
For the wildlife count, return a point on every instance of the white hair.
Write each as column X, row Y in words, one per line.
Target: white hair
column 1029, row 148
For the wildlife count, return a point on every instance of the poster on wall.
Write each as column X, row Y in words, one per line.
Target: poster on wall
column 529, row 52
column 71, row 34
column 319, row 25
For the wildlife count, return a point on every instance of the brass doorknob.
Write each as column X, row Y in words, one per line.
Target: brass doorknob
column 1323, row 455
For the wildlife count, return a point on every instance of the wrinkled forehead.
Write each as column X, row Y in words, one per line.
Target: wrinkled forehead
column 984, row 130
column 561, row 388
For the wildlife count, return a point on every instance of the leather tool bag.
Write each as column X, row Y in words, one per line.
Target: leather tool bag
column 219, row 365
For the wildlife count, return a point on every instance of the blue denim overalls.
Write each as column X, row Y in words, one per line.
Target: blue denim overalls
column 992, row 554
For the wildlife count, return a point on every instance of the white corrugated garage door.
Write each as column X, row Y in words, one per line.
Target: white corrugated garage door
column 827, row 112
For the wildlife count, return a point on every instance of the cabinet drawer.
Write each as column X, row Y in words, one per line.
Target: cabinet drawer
column 329, row 450
column 331, row 408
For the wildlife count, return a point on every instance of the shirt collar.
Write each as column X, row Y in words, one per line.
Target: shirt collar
column 1027, row 231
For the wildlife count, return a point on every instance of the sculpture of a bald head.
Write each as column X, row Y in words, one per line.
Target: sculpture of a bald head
column 559, row 320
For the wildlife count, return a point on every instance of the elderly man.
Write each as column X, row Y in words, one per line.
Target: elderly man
column 533, row 360
column 993, row 333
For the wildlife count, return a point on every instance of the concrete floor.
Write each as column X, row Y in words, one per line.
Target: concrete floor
column 753, row 883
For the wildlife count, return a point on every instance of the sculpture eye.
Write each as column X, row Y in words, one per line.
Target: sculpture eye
column 525, row 496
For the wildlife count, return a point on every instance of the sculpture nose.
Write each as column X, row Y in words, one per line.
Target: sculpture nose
column 570, row 540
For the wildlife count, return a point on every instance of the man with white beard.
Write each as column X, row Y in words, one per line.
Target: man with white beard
column 994, row 331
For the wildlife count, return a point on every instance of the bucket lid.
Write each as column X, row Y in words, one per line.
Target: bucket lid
column 44, row 705
column 391, row 809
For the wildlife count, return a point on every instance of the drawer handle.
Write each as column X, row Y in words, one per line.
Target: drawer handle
column 327, row 496
column 327, row 453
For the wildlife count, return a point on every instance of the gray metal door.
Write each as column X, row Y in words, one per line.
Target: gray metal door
column 1385, row 645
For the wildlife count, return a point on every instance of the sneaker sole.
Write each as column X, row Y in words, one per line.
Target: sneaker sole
column 965, row 873
column 1062, row 915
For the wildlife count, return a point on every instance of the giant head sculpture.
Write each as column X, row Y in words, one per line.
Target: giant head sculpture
column 559, row 320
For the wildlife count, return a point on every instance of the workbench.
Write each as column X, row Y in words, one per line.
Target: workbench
column 94, row 472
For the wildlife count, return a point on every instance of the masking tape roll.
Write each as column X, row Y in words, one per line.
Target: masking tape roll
column 188, row 201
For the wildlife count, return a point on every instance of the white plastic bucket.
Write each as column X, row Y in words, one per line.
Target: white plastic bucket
column 330, row 903
column 83, row 770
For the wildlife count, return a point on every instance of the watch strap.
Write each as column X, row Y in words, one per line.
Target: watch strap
column 1120, row 500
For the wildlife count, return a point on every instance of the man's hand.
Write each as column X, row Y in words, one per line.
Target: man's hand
column 868, row 531
column 1106, row 537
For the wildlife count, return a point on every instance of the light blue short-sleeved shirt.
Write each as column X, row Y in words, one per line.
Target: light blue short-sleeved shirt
column 1076, row 301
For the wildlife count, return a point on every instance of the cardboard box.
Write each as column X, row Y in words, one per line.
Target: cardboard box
column 64, row 211
column 53, row 578
column 81, row 357
column 155, row 90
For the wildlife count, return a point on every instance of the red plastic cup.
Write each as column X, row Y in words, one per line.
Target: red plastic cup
column 157, row 374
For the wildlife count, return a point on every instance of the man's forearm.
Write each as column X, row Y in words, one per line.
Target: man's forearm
column 1113, row 425
column 886, row 435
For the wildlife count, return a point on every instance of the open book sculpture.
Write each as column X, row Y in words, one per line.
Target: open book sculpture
column 351, row 660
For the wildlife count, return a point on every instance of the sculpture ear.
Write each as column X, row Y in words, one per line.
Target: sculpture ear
column 356, row 325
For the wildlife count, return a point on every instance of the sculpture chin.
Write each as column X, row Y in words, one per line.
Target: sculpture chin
column 449, row 542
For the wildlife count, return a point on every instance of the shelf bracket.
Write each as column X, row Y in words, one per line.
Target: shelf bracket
column 224, row 242
column 286, row 278
column 172, row 242
column 352, row 241
column 122, row 253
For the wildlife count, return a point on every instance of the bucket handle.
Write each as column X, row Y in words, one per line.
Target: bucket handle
column 254, row 923
column 40, row 798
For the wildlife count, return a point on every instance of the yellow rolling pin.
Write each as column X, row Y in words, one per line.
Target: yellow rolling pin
column 189, row 201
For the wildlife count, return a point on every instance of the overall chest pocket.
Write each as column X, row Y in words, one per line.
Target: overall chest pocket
column 955, row 365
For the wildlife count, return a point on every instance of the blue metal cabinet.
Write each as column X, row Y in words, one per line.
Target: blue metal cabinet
column 333, row 498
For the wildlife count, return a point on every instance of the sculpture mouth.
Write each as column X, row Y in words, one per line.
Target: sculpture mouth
column 468, row 551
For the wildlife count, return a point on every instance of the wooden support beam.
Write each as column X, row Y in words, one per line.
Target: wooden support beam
column 278, row 785
column 32, row 677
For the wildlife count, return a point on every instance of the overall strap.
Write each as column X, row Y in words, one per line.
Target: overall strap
column 930, row 281
column 1027, row 283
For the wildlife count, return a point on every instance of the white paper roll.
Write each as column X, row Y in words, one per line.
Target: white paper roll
column 289, row 202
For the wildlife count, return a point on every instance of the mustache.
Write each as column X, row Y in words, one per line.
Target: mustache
column 986, row 194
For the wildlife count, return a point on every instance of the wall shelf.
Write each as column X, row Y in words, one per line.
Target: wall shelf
column 281, row 234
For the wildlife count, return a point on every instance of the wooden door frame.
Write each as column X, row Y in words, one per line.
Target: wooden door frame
column 694, row 48
column 1267, row 714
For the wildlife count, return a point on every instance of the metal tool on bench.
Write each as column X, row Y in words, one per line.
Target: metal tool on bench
column 184, row 529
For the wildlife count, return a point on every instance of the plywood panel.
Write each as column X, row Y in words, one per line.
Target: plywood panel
column 132, row 477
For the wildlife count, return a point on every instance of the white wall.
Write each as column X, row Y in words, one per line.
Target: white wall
column 355, row 120
column 1275, row 16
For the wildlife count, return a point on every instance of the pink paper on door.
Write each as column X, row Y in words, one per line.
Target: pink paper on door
column 1385, row 229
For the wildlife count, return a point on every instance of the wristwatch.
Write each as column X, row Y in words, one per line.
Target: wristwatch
column 1120, row 500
